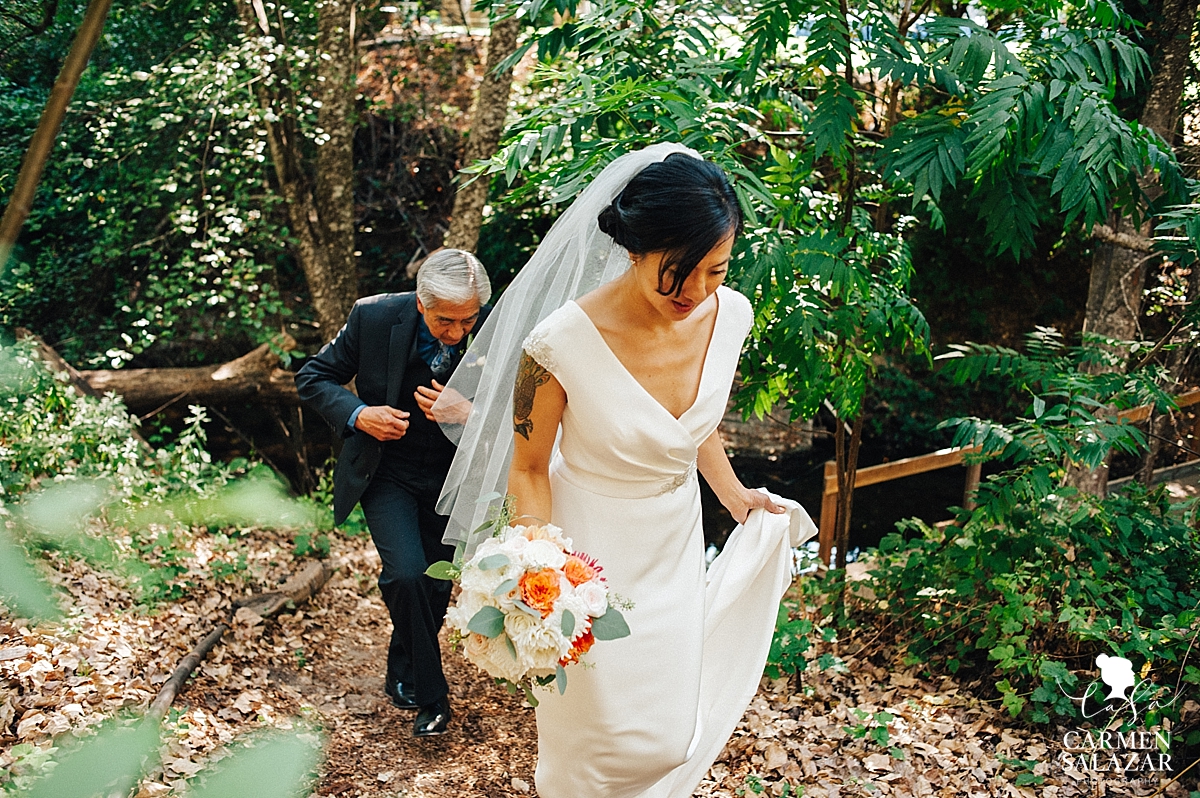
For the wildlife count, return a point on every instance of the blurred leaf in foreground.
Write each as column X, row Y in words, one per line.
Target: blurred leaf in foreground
column 276, row 765
column 109, row 763
column 20, row 586
column 252, row 501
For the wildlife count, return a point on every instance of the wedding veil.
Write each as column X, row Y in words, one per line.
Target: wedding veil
column 574, row 258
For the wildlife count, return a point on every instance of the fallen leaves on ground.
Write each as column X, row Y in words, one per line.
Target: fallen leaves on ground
column 322, row 664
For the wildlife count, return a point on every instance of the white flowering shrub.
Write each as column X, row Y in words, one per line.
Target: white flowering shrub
column 49, row 433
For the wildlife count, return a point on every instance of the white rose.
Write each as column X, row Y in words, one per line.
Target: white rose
column 544, row 554
column 485, row 549
column 556, row 535
column 594, row 596
column 464, row 609
column 514, row 546
column 545, row 652
column 520, row 626
column 539, row 643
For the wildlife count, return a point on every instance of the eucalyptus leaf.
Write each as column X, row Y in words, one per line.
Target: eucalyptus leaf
column 489, row 622
column 610, row 626
column 494, row 561
column 525, row 608
column 560, row 678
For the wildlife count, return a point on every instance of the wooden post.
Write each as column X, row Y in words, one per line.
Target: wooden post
column 828, row 512
column 20, row 202
column 974, row 471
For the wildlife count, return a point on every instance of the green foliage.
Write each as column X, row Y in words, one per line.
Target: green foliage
column 1038, row 572
column 795, row 632
column 114, row 757
column 308, row 544
column 276, row 765
column 154, row 220
column 49, row 433
column 1070, row 419
column 775, row 97
column 1048, row 113
column 830, row 300
column 71, row 471
column 872, row 726
column 320, row 503
column 106, row 764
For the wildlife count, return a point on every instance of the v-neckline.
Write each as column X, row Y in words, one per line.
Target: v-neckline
column 703, row 366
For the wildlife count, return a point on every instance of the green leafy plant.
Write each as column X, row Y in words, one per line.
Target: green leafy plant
column 72, row 471
column 795, row 633
column 1038, row 574
column 872, row 726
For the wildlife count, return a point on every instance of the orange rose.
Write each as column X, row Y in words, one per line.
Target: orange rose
column 539, row 589
column 579, row 647
column 578, row 571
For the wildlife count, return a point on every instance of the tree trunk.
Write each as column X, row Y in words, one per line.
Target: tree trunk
column 335, row 158
column 20, row 203
column 487, row 124
column 1118, row 274
column 846, row 456
column 319, row 241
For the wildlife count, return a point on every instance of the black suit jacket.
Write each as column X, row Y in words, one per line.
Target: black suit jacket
column 374, row 347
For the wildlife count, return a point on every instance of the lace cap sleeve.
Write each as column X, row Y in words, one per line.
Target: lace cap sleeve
column 539, row 343
column 540, row 350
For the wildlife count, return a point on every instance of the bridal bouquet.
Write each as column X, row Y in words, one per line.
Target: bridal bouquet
column 529, row 606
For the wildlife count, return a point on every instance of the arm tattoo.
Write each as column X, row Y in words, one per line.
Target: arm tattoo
column 530, row 376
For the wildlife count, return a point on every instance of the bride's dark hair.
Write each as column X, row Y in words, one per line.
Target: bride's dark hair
column 682, row 206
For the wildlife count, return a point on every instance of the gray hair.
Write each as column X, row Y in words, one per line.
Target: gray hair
column 452, row 275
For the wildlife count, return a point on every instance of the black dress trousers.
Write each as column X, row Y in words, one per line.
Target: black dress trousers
column 399, row 509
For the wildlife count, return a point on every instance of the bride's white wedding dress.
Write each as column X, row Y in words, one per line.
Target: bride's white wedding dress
column 653, row 710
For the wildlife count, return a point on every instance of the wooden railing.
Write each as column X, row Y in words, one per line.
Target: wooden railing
column 943, row 458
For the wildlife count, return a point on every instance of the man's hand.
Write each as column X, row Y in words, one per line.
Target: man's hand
column 382, row 422
column 453, row 409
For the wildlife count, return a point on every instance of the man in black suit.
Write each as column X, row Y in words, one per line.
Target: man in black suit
column 401, row 349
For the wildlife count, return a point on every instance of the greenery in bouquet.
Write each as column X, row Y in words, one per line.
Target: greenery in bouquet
column 529, row 605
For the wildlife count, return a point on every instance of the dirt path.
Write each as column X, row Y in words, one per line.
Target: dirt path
column 490, row 748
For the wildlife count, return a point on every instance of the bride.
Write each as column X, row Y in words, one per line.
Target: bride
column 618, row 394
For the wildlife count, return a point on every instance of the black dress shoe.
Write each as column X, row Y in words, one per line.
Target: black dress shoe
column 402, row 695
column 432, row 719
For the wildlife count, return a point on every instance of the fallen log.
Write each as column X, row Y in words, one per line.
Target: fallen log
column 254, row 376
column 170, row 689
column 297, row 590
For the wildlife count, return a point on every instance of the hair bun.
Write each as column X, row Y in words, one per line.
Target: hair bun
column 610, row 222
